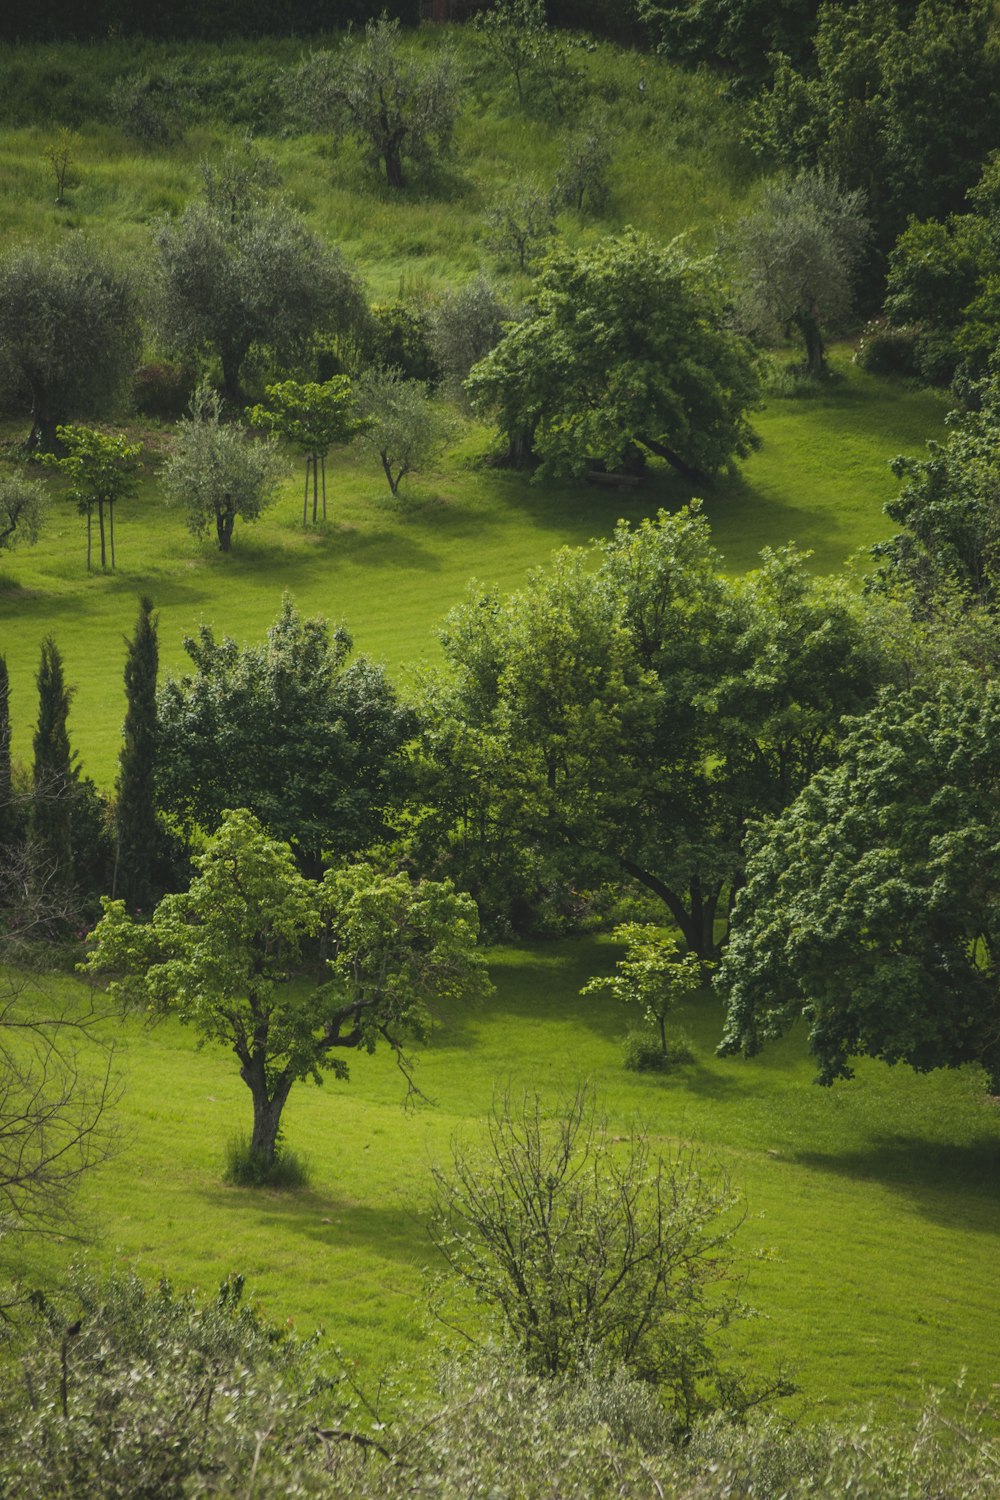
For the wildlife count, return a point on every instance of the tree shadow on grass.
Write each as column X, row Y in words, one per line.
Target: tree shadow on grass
column 331, row 1222
column 947, row 1183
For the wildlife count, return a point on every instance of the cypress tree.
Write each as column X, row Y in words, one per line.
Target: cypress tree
column 54, row 778
column 136, row 816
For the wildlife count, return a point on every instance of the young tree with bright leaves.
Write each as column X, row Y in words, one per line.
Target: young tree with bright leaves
column 399, row 424
column 289, row 727
column 23, row 503
column 241, row 272
column 136, row 829
column 218, row 472
column 54, row 778
column 794, row 259
column 654, row 975
column 101, row 470
column 519, row 37
column 69, row 334
column 397, row 108
column 223, row 954
column 872, row 903
column 625, row 343
column 314, row 416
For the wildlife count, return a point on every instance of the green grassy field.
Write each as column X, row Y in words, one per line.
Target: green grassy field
column 871, row 1216
column 390, row 570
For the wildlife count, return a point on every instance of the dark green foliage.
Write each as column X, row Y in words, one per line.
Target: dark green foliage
column 150, row 107
column 94, row 20
column 8, row 820
column 467, row 323
column 54, row 779
column 69, row 334
column 397, row 337
column 287, row 728
column 902, row 104
column 949, row 511
column 242, row 272
column 872, row 904
column 742, row 34
column 137, row 829
column 884, row 350
column 625, row 342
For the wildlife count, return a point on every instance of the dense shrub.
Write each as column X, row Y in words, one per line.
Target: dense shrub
column 884, row 350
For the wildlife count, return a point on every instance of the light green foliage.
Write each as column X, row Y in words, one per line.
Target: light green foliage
column 400, row 424
column 396, row 107
column 624, row 343
column 466, row 324
column 653, row 975
column 313, row 415
column 221, row 955
column 870, row 905
column 61, row 153
column 23, row 504
column 311, row 744
column 217, row 471
column 588, row 1253
column 132, row 1390
column 69, row 333
column 794, row 260
column 518, row 35
column 581, row 181
column 101, row 470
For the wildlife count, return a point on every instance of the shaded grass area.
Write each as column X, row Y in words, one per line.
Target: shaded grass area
column 390, row 570
column 871, row 1215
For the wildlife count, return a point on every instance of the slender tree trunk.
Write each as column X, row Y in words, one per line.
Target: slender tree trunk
column 89, row 531
column 104, row 544
column 322, row 460
column 111, row 530
column 305, row 494
column 315, row 491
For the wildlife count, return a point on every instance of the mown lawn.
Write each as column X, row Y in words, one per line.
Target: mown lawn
column 390, row 570
column 872, row 1219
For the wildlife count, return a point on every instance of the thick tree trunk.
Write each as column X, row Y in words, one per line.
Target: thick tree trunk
column 661, row 450
column 393, row 166
column 808, row 326
column 266, row 1112
column 695, row 919
column 224, row 523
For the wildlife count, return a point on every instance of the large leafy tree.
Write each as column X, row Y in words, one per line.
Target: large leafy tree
column 396, row 107
column 627, row 722
column 222, row 954
column 69, row 334
column 241, row 272
column 872, row 904
column 624, row 343
column 288, row 728
column 794, row 258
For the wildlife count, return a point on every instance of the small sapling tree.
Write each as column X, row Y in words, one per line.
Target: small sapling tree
column 101, row 471
column 399, row 424
column 22, row 504
column 218, row 472
column 234, row 957
column 314, row 416
column 60, row 153
column 520, row 222
column 653, row 975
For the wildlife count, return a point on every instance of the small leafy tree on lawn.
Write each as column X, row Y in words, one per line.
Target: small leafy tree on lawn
column 400, row 425
column 218, row 472
column 313, row 415
column 224, row 954
column 22, row 505
column 654, row 975
column 101, row 470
